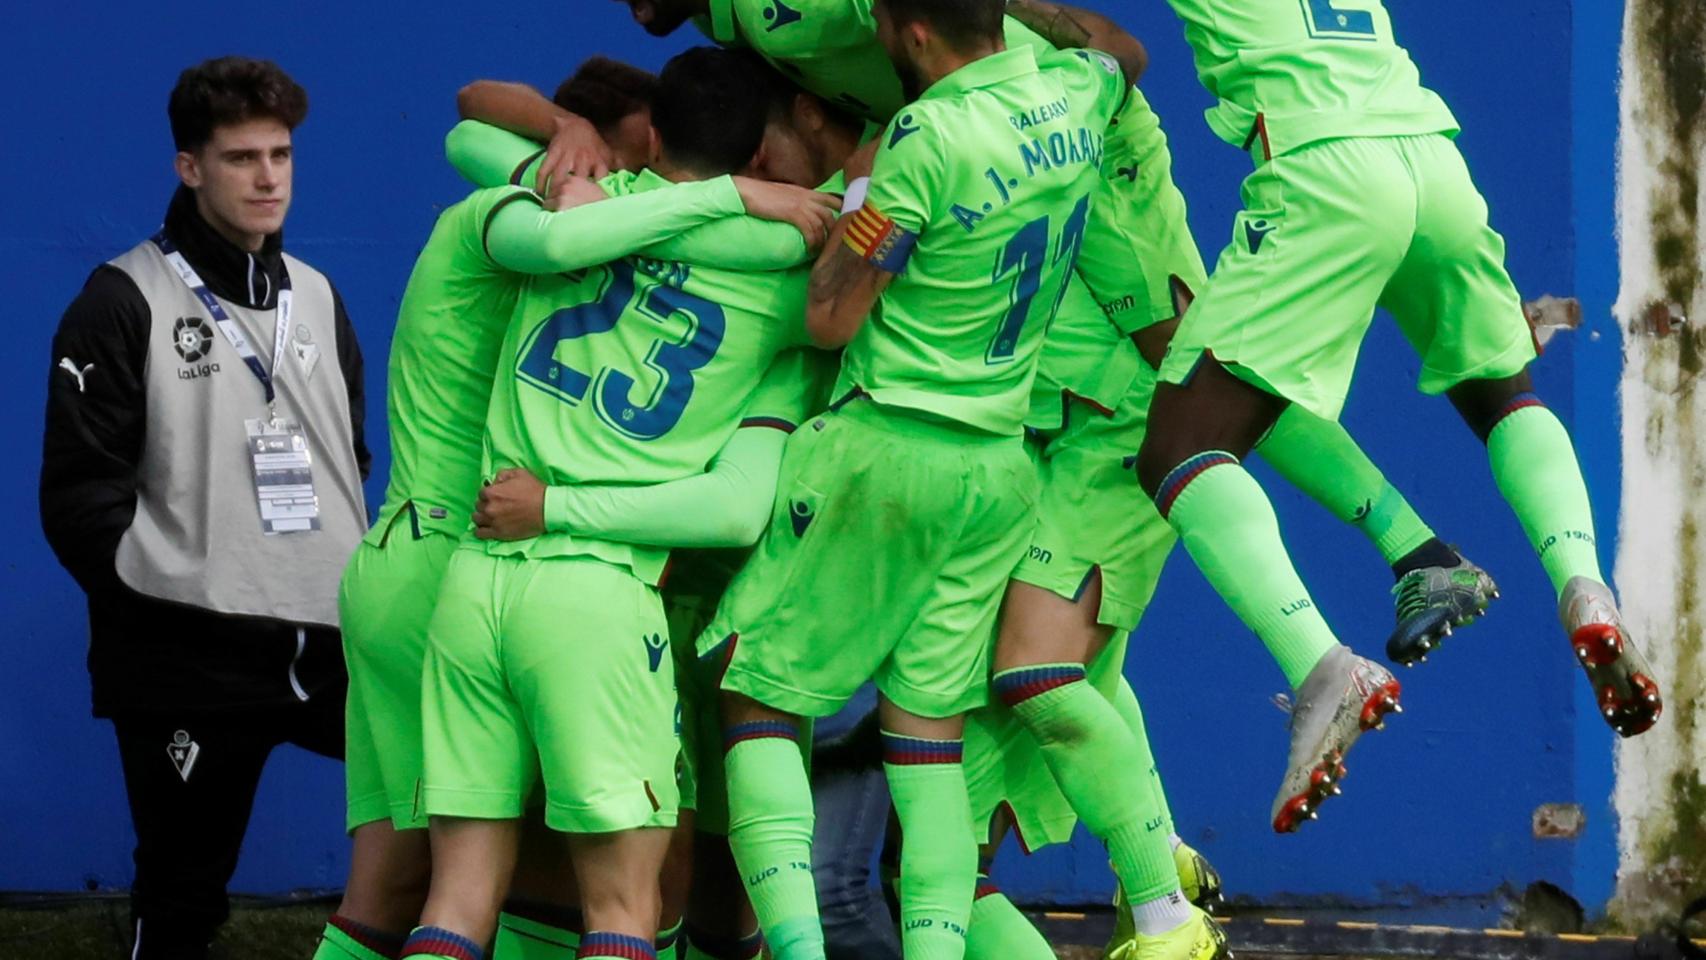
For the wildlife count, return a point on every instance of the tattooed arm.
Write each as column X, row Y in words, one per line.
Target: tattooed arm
column 845, row 286
column 1067, row 27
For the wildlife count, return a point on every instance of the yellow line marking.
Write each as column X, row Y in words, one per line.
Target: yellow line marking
column 1513, row 934
column 1357, row 925
column 1427, row 929
column 1282, row 922
column 1578, row 938
column 1063, row 916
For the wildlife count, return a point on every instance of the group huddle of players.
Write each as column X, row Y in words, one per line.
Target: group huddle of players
column 880, row 325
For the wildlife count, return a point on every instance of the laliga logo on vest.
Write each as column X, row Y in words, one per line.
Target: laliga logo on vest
column 192, row 339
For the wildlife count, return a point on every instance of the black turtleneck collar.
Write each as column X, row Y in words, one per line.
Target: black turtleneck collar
column 232, row 273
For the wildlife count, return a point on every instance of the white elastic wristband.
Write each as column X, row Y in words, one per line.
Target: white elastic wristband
column 854, row 198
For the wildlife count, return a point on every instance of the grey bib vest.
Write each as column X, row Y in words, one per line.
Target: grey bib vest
column 197, row 536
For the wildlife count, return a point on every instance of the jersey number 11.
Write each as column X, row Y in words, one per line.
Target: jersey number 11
column 1025, row 255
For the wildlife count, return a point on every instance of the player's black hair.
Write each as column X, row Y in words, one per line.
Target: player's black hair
column 965, row 24
column 778, row 93
column 605, row 91
column 706, row 115
column 228, row 90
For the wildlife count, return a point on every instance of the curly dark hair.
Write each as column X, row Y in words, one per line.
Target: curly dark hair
column 606, row 91
column 227, row 90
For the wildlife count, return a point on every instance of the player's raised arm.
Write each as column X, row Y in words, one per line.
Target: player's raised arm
column 782, row 227
column 489, row 156
column 577, row 148
column 1068, row 26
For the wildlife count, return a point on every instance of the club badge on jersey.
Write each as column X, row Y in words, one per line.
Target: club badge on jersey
column 278, row 449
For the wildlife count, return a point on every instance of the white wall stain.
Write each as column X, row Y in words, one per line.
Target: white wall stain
column 1660, row 796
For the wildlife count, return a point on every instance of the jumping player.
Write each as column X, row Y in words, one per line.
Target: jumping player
column 1359, row 199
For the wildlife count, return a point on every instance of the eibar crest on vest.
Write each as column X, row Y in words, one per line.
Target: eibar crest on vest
column 197, row 537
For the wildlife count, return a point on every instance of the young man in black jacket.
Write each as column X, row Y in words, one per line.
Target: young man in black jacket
column 201, row 480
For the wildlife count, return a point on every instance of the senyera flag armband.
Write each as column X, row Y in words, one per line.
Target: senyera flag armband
column 875, row 237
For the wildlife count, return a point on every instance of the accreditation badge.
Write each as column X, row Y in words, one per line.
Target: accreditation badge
column 284, row 476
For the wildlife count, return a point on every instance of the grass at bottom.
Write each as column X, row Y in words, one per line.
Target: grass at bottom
column 99, row 930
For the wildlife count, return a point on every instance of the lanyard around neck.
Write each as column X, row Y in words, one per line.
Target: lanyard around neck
column 227, row 326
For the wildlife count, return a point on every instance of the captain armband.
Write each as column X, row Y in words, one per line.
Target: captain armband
column 875, row 237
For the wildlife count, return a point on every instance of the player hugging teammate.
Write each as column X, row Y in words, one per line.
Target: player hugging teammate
column 948, row 457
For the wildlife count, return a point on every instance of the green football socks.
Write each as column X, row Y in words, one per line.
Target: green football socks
column 1159, row 814
column 700, row 946
column 770, row 833
column 938, row 861
column 437, row 943
column 1318, row 457
column 1102, row 770
column 1536, row 469
column 1228, row 526
column 522, row 937
column 345, row 939
column 999, row 931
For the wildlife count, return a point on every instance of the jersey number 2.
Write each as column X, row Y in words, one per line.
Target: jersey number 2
column 673, row 362
column 1026, row 254
column 1327, row 22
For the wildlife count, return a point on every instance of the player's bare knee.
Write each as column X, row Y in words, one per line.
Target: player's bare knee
column 407, row 883
column 1157, row 458
column 896, row 720
column 1483, row 403
column 622, row 906
column 738, row 708
column 1040, row 626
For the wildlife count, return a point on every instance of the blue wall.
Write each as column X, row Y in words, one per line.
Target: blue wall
column 1437, row 806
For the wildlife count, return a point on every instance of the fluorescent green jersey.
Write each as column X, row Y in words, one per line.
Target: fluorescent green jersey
column 635, row 371
column 827, row 46
column 451, row 322
column 978, row 201
column 1085, row 359
column 1293, row 72
column 459, row 301
column 796, row 387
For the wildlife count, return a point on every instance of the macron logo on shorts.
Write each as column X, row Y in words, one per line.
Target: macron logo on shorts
column 800, row 515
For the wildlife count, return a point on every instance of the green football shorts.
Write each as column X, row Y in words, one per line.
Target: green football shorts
column 697, row 580
column 1092, row 514
column 385, row 604
column 552, row 672
column 1329, row 232
column 886, row 558
column 1138, row 217
column 1005, row 766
